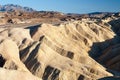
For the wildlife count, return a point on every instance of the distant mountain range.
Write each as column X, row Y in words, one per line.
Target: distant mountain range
column 12, row 7
column 97, row 13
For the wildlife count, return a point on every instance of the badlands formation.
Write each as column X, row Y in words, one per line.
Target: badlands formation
column 71, row 50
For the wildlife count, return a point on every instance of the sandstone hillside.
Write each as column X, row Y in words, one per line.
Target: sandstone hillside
column 73, row 50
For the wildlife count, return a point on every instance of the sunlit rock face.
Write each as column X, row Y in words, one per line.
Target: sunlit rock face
column 73, row 50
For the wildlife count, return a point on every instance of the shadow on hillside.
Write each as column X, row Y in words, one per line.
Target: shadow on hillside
column 98, row 48
column 110, row 78
column 33, row 29
column 115, row 26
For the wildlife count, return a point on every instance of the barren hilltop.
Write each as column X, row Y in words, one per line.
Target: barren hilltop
column 48, row 45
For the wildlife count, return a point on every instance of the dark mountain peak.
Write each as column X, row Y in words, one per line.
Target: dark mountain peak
column 97, row 13
column 12, row 7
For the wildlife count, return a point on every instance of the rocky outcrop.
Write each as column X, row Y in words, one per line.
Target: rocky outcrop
column 56, row 52
column 12, row 67
column 6, row 74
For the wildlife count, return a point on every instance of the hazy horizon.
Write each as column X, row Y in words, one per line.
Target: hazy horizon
column 68, row 6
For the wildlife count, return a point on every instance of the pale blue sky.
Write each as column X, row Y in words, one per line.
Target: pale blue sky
column 69, row 6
